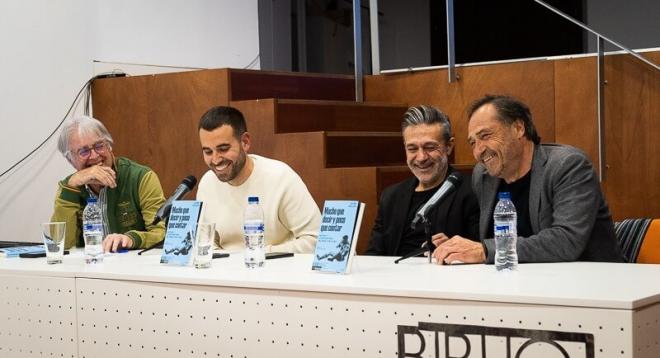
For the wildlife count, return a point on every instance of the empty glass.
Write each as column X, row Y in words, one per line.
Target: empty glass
column 53, row 234
column 204, row 234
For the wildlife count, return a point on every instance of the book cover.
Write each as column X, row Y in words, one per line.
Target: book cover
column 180, row 234
column 340, row 226
column 17, row 250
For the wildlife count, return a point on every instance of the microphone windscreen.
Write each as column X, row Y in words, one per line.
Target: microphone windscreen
column 455, row 179
column 189, row 181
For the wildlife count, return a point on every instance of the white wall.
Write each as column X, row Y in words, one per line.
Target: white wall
column 190, row 33
column 46, row 58
column 49, row 49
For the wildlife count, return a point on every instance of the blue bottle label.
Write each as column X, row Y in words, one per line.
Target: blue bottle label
column 502, row 230
column 253, row 227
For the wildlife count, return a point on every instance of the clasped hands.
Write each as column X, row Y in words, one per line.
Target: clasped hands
column 457, row 249
column 94, row 175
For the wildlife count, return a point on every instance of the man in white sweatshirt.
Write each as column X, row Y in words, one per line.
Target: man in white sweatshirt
column 291, row 217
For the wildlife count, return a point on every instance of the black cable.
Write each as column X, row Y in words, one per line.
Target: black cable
column 253, row 62
column 86, row 87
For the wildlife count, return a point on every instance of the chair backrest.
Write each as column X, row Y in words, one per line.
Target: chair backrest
column 639, row 240
column 649, row 252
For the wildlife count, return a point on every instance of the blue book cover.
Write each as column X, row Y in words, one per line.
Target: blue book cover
column 340, row 226
column 17, row 250
column 180, row 234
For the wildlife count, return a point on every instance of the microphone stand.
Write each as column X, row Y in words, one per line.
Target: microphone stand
column 429, row 240
column 158, row 244
column 429, row 243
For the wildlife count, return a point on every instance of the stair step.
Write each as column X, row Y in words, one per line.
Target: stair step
column 253, row 84
column 309, row 116
column 359, row 149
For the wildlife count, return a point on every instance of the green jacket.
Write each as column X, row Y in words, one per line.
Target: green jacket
column 130, row 207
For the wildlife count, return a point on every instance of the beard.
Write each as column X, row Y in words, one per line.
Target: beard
column 432, row 174
column 235, row 168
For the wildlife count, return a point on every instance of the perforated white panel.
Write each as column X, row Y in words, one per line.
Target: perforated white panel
column 647, row 332
column 38, row 316
column 137, row 319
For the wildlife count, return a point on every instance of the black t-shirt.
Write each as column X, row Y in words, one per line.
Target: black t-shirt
column 412, row 240
column 519, row 190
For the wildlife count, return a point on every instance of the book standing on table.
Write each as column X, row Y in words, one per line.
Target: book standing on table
column 180, row 234
column 338, row 234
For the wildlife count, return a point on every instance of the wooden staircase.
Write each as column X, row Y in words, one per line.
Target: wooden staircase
column 340, row 148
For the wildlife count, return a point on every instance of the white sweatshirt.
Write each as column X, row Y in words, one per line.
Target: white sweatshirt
column 291, row 217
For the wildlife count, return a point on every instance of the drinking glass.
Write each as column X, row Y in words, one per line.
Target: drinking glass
column 204, row 234
column 53, row 234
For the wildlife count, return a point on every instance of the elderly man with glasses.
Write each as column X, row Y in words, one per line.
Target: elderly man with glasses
column 129, row 194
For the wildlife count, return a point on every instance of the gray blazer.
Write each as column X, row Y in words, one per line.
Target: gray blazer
column 568, row 213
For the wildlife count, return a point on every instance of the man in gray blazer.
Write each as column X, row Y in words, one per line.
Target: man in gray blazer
column 562, row 214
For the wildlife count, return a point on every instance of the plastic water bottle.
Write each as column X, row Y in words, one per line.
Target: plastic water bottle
column 93, row 232
column 253, row 229
column 506, row 233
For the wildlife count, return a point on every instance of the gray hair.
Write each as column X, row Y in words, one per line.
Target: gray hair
column 83, row 125
column 429, row 115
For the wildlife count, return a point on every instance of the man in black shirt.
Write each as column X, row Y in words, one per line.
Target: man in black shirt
column 428, row 142
column 562, row 214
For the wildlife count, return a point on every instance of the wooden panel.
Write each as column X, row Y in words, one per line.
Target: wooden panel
column 532, row 82
column 388, row 176
column 632, row 131
column 354, row 150
column 251, row 84
column 182, row 99
column 154, row 119
column 260, row 124
column 122, row 105
column 311, row 116
column 576, row 112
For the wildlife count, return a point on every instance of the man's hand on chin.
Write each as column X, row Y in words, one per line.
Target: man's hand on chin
column 94, row 175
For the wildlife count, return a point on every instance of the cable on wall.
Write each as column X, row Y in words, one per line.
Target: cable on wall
column 253, row 62
column 87, row 90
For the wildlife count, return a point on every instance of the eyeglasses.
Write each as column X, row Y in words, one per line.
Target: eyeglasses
column 99, row 147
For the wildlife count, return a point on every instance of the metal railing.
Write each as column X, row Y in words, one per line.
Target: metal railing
column 600, row 78
column 451, row 62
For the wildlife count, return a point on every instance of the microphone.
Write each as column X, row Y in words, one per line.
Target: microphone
column 186, row 186
column 450, row 184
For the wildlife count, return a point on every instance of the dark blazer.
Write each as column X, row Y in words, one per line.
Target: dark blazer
column 458, row 214
column 569, row 216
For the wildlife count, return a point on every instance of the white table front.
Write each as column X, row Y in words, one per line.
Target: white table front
column 132, row 306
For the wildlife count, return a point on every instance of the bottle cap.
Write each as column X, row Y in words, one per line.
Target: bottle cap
column 504, row 195
column 253, row 200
